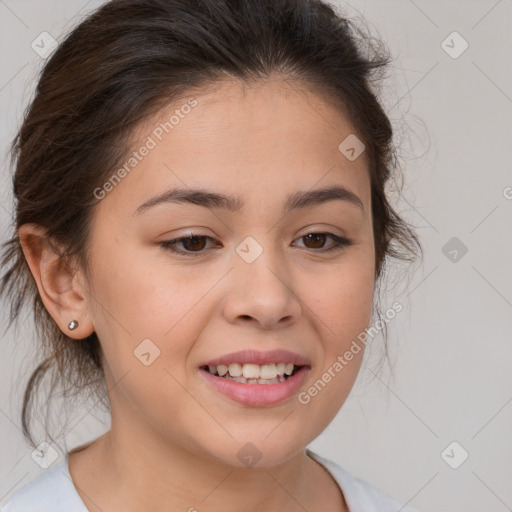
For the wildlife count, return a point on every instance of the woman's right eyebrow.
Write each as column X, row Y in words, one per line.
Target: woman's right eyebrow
column 215, row 200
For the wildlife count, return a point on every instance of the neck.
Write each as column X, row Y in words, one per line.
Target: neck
column 144, row 479
column 134, row 467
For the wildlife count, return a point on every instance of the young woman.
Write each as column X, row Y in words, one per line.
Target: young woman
column 201, row 224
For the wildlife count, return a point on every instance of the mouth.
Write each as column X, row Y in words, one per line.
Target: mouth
column 252, row 373
column 254, row 378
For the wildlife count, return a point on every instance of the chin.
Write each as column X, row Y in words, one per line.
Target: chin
column 257, row 453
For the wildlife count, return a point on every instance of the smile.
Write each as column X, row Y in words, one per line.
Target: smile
column 250, row 373
column 252, row 391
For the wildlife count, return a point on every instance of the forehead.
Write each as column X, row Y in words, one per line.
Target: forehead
column 252, row 140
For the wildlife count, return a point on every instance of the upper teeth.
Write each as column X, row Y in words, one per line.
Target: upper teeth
column 253, row 371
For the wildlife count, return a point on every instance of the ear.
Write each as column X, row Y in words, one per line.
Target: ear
column 62, row 288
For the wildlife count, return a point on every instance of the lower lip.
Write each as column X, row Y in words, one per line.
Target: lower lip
column 257, row 395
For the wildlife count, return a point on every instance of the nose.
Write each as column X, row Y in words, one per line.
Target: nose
column 261, row 293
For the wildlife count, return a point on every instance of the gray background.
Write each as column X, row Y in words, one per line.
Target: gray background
column 450, row 346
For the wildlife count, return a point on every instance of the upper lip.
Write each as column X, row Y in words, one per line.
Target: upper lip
column 259, row 357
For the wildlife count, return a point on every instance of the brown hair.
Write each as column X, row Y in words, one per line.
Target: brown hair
column 126, row 61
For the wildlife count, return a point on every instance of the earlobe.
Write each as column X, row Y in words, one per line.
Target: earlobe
column 62, row 295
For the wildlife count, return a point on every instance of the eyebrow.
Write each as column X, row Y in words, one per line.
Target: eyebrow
column 213, row 200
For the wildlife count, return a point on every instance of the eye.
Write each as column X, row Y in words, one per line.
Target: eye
column 192, row 244
column 318, row 239
column 196, row 244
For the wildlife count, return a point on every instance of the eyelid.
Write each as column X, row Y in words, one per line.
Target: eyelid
column 168, row 244
column 340, row 242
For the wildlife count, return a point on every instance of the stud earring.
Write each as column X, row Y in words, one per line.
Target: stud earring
column 72, row 325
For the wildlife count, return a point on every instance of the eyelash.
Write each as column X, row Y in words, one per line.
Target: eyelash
column 341, row 243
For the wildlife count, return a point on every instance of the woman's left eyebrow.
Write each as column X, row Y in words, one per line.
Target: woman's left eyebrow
column 214, row 200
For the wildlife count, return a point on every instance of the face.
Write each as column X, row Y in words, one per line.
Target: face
column 278, row 278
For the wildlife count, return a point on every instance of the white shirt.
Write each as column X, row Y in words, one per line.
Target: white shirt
column 54, row 491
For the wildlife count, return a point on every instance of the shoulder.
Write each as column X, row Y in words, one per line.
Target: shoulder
column 359, row 494
column 53, row 491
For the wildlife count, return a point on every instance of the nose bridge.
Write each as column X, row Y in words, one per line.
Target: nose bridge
column 262, row 266
column 261, row 287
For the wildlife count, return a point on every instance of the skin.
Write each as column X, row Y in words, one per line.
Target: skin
column 174, row 439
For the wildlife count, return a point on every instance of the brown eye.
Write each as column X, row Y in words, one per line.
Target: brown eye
column 197, row 244
column 316, row 241
column 194, row 243
column 190, row 244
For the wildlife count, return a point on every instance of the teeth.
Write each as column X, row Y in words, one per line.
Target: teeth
column 243, row 380
column 235, row 370
column 270, row 381
column 253, row 373
column 268, row 371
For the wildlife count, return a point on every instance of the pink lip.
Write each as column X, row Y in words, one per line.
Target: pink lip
column 257, row 395
column 257, row 357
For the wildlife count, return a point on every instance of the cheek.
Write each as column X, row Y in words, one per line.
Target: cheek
column 343, row 297
column 145, row 314
column 144, row 300
column 343, row 302
column 147, row 333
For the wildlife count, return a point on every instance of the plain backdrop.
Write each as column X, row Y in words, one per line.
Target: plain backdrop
column 450, row 347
